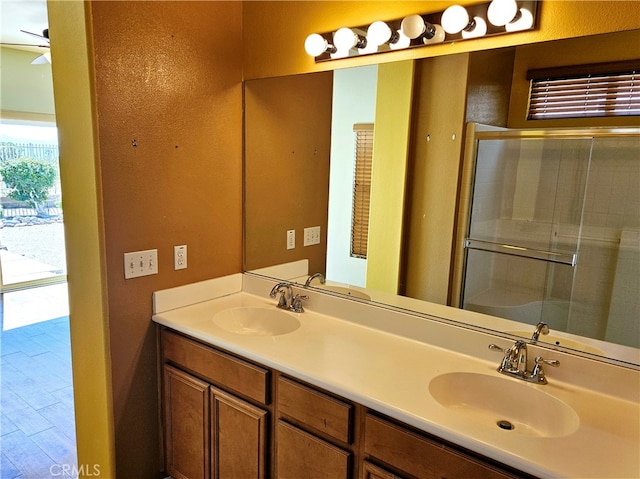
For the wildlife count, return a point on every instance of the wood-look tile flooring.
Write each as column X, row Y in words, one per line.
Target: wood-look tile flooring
column 37, row 432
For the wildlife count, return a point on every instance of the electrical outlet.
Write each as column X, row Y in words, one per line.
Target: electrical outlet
column 291, row 239
column 140, row 263
column 312, row 236
column 180, row 257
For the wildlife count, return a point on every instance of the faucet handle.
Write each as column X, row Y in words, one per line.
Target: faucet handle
column 537, row 374
column 296, row 305
column 551, row 362
column 495, row 347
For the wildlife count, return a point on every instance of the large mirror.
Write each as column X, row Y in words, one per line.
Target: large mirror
column 306, row 168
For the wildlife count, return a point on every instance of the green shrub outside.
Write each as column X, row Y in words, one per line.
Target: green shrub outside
column 29, row 180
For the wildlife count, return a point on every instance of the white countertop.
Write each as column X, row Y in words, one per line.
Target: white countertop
column 391, row 373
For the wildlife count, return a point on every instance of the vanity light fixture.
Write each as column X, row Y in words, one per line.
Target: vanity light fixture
column 495, row 17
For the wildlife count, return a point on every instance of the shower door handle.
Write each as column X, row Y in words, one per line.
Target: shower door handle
column 513, row 250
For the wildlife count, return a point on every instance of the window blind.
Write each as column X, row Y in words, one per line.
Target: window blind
column 587, row 91
column 361, row 188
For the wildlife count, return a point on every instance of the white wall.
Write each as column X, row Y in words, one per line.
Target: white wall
column 26, row 90
column 354, row 100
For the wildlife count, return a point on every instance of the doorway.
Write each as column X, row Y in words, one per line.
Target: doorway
column 37, row 433
column 31, row 230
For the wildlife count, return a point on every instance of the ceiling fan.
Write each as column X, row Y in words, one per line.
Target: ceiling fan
column 42, row 59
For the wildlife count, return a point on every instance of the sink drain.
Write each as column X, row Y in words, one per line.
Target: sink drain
column 506, row 425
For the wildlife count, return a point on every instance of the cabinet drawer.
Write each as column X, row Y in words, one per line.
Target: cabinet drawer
column 215, row 366
column 419, row 456
column 315, row 409
column 302, row 455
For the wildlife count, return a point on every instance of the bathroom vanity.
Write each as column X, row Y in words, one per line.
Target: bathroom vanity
column 348, row 389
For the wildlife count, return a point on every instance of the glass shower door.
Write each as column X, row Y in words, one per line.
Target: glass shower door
column 524, row 234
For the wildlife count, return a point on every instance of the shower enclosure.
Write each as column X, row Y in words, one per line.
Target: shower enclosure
column 553, row 230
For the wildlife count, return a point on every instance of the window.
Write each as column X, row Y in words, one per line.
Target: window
column 361, row 188
column 606, row 89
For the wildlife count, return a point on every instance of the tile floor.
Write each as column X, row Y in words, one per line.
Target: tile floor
column 37, row 432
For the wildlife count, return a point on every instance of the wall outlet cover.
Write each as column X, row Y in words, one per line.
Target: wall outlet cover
column 180, row 257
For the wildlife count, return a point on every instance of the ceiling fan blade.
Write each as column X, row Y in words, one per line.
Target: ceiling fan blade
column 42, row 59
column 44, row 36
column 24, row 45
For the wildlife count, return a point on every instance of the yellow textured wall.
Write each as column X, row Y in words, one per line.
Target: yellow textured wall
column 84, row 238
column 388, row 176
column 274, row 32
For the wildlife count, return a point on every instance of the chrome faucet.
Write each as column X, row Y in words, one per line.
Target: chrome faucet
column 287, row 300
column 514, row 363
column 314, row 276
column 541, row 328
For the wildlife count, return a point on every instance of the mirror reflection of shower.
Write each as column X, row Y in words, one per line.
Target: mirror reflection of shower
column 554, row 234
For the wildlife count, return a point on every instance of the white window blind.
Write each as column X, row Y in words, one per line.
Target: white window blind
column 361, row 188
column 585, row 91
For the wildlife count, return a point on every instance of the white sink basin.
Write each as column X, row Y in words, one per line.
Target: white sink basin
column 354, row 293
column 256, row 321
column 558, row 341
column 502, row 403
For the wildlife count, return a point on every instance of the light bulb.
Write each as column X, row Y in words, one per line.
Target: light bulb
column 403, row 42
column 315, row 45
column 455, row 19
column 524, row 22
column 412, row 26
column 501, row 12
column 479, row 30
column 346, row 39
column 378, row 33
column 368, row 48
column 438, row 36
column 339, row 54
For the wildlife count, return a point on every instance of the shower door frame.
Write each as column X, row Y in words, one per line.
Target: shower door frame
column 473, row 134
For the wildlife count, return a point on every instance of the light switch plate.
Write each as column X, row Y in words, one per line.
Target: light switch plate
column 140, row 263
column 291, row 239
column 312, row 236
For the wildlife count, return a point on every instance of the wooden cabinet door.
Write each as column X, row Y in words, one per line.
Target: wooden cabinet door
column 371, row 471
column 186, row 425
column 301, row 455
column 238, row 438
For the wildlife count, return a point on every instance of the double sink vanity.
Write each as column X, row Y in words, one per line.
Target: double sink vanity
column 351, row 389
